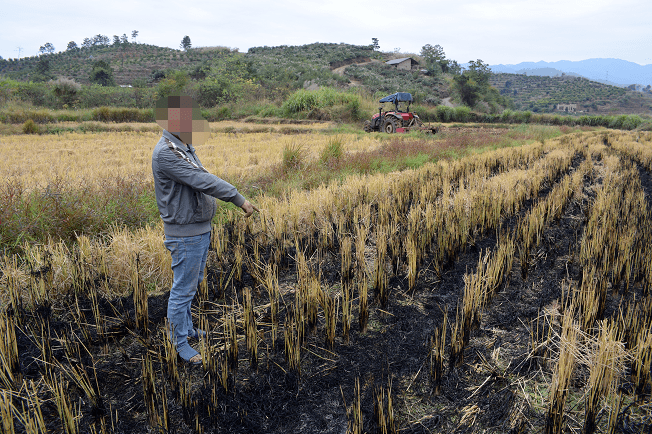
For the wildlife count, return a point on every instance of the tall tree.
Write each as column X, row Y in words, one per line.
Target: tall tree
column 134, row 35
column 473, row 83
column 42, row 70
column 480, row 72
column 46, row 49
column 185, row 43
column 454, row 67
column 72, row 45
column 435, row 58
column 102, row 73
column 374, row 44
column 101, row 40
column 116, row 40
column 124, row 39
column 467, row 88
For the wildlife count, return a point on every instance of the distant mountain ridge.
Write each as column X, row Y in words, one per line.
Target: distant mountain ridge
column 609, row 71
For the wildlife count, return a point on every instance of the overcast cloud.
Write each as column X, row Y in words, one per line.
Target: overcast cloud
column 496, row 31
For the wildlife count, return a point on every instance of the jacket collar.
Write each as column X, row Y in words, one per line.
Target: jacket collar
column 168, row 135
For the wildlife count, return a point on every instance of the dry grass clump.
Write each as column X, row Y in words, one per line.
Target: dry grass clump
column 563, row 372
column 600, row 358
column 110, row 261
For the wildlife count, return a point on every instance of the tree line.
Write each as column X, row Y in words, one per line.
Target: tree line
column 103, row 40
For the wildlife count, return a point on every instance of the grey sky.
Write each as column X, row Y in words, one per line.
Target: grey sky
column 496, row 31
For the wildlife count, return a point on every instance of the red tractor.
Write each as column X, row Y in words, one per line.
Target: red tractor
column 398, row 121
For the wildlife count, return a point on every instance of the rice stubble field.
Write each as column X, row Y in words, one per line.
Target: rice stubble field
column 502, row 291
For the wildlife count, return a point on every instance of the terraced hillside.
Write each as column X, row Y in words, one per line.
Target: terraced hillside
column 133, row 61
column 129, row 62
column 542, row 94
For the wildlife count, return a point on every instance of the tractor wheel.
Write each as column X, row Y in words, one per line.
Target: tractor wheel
column 389, row 126
column 366, row 126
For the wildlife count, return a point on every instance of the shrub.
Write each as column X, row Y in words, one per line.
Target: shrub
column 332, row 153
column 35, row 93
column 223, row 112
column 30, row 127
column 444, row 113
column 353, row 107
column 66, row 91
column 7, row 88
column 301, row 100
column 174, row 81
column 213, row 92
column 310, row 100
column 294, row 157
column 269, row 111
column 462, row 114
column 90, row 127
column 98, row 96
column 506, row 115
column 426, row 114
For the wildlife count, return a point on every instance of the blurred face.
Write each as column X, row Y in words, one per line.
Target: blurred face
column 180, row 115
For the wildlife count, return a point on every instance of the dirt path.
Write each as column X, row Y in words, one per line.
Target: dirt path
column 447, row 102
column 341, row 69
column 353, row 81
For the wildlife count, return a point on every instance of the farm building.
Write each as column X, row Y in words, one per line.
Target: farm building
column 567, row 107
column 406, row 63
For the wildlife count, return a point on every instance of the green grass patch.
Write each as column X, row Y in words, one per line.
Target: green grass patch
column 396, row 152
column 64, row 210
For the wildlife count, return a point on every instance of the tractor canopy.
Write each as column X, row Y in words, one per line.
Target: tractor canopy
column 397, row 97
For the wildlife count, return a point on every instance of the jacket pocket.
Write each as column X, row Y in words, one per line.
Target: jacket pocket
column 205, row 208
column 209, row 207
column 185, row 205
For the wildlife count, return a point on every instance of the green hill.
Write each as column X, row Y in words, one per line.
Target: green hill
column 543, row 94
column 129, row 62
column 218, row 75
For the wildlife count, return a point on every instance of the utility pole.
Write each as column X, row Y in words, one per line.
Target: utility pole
column 19, row 49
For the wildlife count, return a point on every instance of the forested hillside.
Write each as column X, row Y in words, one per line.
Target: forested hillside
column 130, row 63
column 542, row 94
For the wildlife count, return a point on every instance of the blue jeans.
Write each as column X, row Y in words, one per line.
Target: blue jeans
column 188, row 262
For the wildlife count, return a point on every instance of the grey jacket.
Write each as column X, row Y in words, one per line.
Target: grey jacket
column 184, row 188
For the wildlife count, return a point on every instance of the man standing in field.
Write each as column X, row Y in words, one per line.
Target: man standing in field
column 185, row 193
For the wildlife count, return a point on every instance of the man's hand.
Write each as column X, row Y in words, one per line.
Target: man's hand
column 248, row 208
